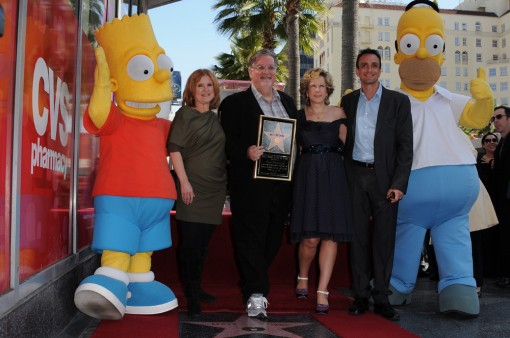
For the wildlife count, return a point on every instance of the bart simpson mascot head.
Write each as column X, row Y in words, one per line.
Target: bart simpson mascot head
column 134, row 191
column 443, row 177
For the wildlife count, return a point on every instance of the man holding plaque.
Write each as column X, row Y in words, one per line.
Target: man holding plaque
column 260, row 206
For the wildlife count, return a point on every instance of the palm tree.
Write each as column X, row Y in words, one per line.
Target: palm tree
column 272, row 20
column 235, row 65
column 349, row 43
column 292, row 10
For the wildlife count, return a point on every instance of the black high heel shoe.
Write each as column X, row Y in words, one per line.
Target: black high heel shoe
column 322, row 309
column 301, row 293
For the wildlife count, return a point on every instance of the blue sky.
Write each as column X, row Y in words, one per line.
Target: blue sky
column 186, row 31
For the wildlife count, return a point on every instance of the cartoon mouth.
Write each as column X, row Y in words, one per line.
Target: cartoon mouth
column 146, row 105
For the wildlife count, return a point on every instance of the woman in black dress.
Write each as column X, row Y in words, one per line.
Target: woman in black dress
column 321, row 205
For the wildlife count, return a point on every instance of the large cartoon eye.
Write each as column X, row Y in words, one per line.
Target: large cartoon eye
column 164, row 62
column 409, row 44
column 434, row 44
column 140, row 68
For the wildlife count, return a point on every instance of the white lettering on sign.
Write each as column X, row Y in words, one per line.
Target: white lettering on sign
column 59, row 99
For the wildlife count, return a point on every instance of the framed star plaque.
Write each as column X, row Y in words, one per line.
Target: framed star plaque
column 277, row 138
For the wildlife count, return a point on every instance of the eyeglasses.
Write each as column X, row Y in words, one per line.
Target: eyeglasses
column 261, row 68
column 497, row 117
column 490, row 140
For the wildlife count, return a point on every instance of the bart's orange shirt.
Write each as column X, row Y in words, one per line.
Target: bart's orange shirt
column 132, row 157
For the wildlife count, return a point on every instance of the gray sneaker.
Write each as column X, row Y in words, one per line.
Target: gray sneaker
column 256, row 306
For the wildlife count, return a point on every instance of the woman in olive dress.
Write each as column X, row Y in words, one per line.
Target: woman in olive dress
column 197, row 150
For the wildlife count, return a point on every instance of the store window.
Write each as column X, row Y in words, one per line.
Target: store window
column 7, row 60
column 47, row 135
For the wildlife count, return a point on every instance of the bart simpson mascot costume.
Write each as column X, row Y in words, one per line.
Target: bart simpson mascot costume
column 444, row 183
column 134, row 191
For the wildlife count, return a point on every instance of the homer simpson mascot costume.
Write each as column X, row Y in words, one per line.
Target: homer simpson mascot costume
column 134, row 191
column 444, row 183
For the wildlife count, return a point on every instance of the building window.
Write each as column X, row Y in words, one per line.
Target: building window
column 442, row 84
column 457, row 41
column 503, row 71
column 495, row 57
column 457, row 56
column 386, row 36
column 387, row 53
column 493, row 87
column 478, row 26
column 465, row 70
column 504, row 57
column 387, row 67
column 464, row 57
column 379, row 36
column 478, row 42
column 456, row 26
column 386, row 21
column 494, row 29
column 457, row 87
column 503, row 86
column 387, row 83
column 466, row 87
column 464, row 41
column 492, row 72
column 443, row 71
column 464, row 26
column 503, row 28
column 478, row 57
column 504, row 101
column 380, row 51
column 495, row 43
column 457, row 71
column 503, row 43
column 379, row 21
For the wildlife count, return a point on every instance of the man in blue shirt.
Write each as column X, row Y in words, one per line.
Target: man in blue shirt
column 378, row 158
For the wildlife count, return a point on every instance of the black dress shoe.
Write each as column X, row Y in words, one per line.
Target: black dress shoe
column 359, row 306
column 386, row 311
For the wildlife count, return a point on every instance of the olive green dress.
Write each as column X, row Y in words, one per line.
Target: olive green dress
column 200, row 139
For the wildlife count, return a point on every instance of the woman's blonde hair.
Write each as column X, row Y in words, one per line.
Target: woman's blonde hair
column 312, row 74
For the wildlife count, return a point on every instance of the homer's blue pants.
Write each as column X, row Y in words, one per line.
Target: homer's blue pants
column 438, row 198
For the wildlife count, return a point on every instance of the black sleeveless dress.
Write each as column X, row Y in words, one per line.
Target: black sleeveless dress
column 321, row 203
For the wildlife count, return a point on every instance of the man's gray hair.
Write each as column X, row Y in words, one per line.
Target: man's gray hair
column 259, row 53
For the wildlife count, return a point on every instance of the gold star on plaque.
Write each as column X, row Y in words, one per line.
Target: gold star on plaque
column 277, row 138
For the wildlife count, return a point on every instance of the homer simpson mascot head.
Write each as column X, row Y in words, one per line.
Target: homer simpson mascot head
column 134, row 191
column 444, row 183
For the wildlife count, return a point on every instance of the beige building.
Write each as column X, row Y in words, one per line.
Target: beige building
column 477, row 33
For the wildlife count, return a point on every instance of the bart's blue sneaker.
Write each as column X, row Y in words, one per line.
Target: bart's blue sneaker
column 103, row 295
column 147, row 296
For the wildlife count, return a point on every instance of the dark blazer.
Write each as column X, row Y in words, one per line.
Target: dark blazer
column 502, row 179
column 393, row 140
column 239, row 114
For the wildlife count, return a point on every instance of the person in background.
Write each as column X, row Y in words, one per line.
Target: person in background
column 260, row 207
column 378, row 157
column 197, row 150
column 489, row 240
column 501, row 120
column 321, row 209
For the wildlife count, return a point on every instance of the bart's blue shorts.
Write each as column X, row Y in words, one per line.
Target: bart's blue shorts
column 131, row 224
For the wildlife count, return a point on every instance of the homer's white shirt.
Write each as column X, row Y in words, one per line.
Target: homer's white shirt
column 436, row 135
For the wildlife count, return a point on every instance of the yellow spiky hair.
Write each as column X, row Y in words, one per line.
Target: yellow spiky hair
column 121, row 35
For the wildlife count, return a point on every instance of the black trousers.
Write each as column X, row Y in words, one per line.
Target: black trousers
column 193, row 247
column 373, row 242
column 257, row 234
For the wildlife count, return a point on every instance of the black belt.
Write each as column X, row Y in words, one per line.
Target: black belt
column 321, row 148
column 364, row 164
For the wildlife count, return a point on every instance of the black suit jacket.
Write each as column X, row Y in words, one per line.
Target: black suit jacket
column 393, row 140
column 239, row 114
column 502, row 179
